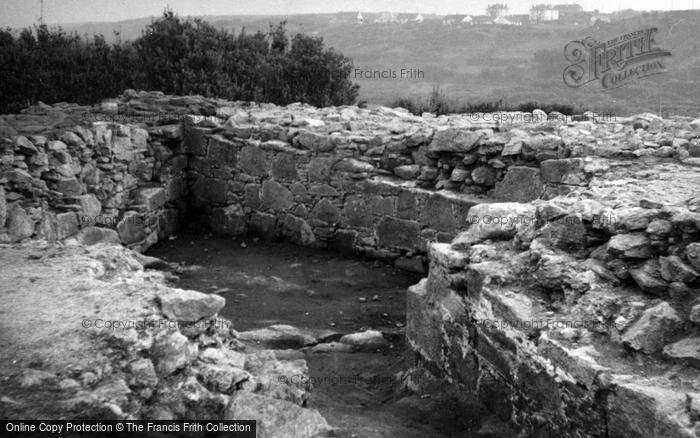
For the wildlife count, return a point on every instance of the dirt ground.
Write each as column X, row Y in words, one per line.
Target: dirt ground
column 278, row 283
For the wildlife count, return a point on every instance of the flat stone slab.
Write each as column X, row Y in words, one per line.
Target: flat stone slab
column 279, row 336
column 190, row 306
column 369, row 340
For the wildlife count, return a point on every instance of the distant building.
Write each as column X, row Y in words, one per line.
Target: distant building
column 453, row 19
column 603, row 18
column 387, row 17
column 568, row 10
column 418, row 19
column 482, row 19
column 468, row 20
column 519, row 19
column 624, row 13
column 542, row 12
column 497, row 10
column 507, row 21
column 360, row 18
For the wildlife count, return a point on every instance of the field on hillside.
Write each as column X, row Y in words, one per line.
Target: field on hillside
column 487, row 63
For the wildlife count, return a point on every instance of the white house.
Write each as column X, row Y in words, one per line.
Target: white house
column 467, row 20
column 453, row 19
column 497, row 10
column 418, row 19
column 506, row 21
column 543, row 12
column 386, row 17
column 603, row 18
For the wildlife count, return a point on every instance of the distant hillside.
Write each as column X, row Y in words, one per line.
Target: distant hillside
column 477, row 63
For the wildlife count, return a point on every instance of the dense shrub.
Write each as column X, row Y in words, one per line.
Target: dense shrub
column 174, row 56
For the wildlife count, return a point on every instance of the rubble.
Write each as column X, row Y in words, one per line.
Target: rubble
column 522, row 227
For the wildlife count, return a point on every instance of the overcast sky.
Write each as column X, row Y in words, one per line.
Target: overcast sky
column 19, row 13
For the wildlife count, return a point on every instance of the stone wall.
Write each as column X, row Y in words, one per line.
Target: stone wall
column 385, row 183
column 581, row 322
column 593, row 225
column 67, row 171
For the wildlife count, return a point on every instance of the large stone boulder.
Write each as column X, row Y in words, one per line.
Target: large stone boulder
column 633, row 245
column 637, row 409
column 151, row 197
column 673, row 269
column 499, row 221
column 276, row 418
column 66, row 225
column 398, row 233
column 131, row 228
column 172, row 351
column 455, row 140
column 19, row 224
column 69, row 187
column 520, row 184
column 252, row 160
column 313, row 141
column 567, row 171
column 298, row 230
column 685, row 351
column 284, row 168
column 352, row 165
column 190, row 306
column 90, row 207
column 229, row 221
column 692, row 251
column 24, row 146
column 369, row 340
column 222, row 152
column 279, row 336
column 653, row 329
column 94, row 235
column 275, row 196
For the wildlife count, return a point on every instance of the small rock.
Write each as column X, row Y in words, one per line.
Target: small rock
column 695, row 314
column 279, row 336
column 685, row 351
column 171, row 351
column 647, row 278
column 143, row 374
column 407, row 172
column 189, row 305
column 276, row 418
column 24, row 146
column 32, row 378
column 650, row 333
column 369, row 340
column 68, row 385
column 634, row 245
column 19, row 224
column 94, row 235
column 692, row 253
column 673, row 269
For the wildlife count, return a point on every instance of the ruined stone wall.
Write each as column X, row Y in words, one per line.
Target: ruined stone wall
column 583, row 322
column 382, row 182
column 70, row 171
column 600, row 231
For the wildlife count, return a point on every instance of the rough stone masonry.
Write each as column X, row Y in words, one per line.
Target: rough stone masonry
column 562, row 258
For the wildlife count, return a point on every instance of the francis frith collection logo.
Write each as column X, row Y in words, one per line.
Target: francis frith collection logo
column 614, row 62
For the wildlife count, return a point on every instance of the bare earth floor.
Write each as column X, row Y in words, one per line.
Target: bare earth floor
column 316, row 290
